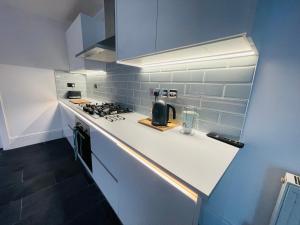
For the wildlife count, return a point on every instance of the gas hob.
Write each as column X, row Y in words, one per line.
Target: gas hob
column 110, row 111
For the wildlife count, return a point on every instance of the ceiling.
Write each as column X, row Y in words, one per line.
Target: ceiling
column 64, row 11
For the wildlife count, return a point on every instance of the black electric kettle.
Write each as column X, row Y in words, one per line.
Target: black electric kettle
column 160, row 113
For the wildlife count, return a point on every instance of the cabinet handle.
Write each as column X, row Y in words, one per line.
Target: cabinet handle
column 103, row 165
column 74, row 129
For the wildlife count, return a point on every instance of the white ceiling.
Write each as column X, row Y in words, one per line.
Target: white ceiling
column 64, row 11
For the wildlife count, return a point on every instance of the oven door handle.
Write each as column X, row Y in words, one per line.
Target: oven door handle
column 78, row 132
column 75, row 143
column 73, row 129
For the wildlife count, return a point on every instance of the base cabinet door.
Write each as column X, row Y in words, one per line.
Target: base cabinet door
column 147, row 199
column 105, row 150
column 106, row 182
column 68, row 120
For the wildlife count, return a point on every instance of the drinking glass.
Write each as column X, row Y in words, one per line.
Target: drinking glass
column 189, row 116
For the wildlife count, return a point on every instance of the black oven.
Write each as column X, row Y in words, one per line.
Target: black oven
column 82, row 143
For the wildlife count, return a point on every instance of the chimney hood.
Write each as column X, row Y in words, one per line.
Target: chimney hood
column 104, row 50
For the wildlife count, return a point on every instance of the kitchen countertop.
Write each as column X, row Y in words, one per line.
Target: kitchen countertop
column 197, row 160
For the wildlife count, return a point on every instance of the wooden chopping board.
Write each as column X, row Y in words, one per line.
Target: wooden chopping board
column 80, row 101
column 171, row 124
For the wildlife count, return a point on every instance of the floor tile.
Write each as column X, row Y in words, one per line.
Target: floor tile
column 21, row 190
column 46, row 167
column 52, row 188
column 10, row 178
column 10, row 213
column 58, row 210
column 54, row 195
column 101, row 213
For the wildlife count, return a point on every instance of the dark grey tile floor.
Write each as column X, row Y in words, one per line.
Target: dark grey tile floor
column 42, row 185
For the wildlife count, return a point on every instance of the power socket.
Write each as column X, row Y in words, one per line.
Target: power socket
column 71, row 85
column 154, row 92
column 173, row 93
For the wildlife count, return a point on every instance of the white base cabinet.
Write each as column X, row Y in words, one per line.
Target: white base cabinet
column 147, row 199
column 68, row 122
column 107, row 151
column 138, row 195
column 106, row 182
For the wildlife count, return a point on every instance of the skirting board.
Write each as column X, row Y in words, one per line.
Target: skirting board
column 30, row 139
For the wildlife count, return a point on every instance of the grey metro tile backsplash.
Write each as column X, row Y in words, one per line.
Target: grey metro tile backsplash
column 230, row 75
column 62, row 78
column 219, row 90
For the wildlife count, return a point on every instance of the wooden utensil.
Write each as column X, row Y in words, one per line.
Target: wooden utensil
column 80, row 101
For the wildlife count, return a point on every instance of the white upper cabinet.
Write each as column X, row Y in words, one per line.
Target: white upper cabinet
column 84, row 32
column 145, row 27
column 182, row 23
column 135, row 27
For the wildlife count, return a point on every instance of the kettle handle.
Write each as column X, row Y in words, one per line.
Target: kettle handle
column 173, row 111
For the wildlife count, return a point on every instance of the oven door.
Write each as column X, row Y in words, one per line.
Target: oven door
column 82, row 146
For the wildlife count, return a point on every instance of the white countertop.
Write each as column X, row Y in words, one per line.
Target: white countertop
column 197, row 160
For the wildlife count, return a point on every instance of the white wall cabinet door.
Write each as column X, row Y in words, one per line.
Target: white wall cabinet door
column 147, row 199
column 182, row 23
column 135, row 27
column 149, row 26
column 68, row 120
column 74, row 41
column 82, row 33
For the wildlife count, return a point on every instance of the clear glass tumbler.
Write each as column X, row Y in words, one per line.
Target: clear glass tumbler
column 189, row 116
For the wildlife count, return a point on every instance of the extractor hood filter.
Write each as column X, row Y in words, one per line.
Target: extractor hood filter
column 103, row 51
column 236, row 46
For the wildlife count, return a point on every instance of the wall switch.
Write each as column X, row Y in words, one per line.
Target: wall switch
column 154, row 92
column 173, row 93
column 71, row 85
column 164, row 93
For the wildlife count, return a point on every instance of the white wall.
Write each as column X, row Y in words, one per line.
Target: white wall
column 30, row 40
column 29, row 106
column 1, row 146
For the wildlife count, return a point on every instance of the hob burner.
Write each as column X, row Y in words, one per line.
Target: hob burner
column 109, row 111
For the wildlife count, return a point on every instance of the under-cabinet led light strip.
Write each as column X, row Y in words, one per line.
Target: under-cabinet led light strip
column 195, row 60
column 171, row 180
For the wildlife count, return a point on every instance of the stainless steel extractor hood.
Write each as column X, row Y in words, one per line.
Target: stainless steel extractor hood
column 104, row 50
